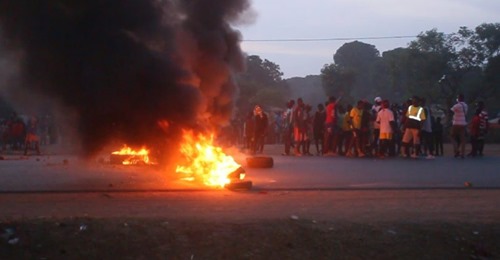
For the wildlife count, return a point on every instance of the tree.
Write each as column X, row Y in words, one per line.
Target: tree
column 351, row 74
column 492, row 81
column 397, row 63
column 262, row 71
column 488, row 36
column 432, row 41
column 437, row 74
column 356, row 55
column 261, row 84
column 310, row 89
column 338, row 81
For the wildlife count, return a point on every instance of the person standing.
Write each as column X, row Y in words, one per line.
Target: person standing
column 32, row 139
column 366, row 129
column 355, row 116
column 437, row 132
column 387, row 125
column 475, row 133
column 484, row 126
column 427, row 138
column 339, row 139
column 330, row 125
column 458, row 126
column 298, row 119
column 261, row 124
column 415, row 115
column 346, row 130
column 319, row 128
column 308, row 130
column 288, row 126
column 376, row 126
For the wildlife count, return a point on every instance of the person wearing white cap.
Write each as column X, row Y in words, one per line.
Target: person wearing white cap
column 376, row 125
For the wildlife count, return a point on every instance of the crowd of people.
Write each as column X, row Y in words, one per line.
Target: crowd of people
column 378, row 129
column 24, row 134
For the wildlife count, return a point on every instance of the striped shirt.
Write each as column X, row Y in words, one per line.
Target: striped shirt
column 459, row 112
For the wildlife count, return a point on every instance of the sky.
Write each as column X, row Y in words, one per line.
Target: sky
column 353, row 19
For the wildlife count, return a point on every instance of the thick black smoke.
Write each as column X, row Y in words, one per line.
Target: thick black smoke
column 125, row 65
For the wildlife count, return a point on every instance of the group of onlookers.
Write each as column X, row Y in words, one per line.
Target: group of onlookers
column 18, row 134
column 380, row 129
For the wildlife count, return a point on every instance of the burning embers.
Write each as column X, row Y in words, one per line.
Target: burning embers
column 207, row 163
column 128, row 156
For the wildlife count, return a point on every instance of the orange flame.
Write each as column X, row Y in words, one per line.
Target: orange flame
column 204, row 161
column 134, row 157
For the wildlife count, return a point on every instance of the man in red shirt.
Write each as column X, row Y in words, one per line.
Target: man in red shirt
column 330, row 123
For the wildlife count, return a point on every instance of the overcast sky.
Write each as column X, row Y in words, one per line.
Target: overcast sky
column 306, row 19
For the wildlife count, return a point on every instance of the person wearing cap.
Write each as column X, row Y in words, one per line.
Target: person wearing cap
column 415, row 115
column 376, row 125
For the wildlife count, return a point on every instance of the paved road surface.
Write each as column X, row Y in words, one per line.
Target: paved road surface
column 314, row 188
column 68, row 173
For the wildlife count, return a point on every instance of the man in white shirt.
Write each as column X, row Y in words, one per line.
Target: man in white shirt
column 459, row 123
column 385, row 120
column 376, row 125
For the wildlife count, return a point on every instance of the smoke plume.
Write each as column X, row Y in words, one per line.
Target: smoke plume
column 124, row 66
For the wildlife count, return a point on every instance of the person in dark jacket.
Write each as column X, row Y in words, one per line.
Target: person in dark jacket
column 260, row 131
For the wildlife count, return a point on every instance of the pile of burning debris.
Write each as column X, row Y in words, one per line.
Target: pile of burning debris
column 203, row 162
column 129, row 156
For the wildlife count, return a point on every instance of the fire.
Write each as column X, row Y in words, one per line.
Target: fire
column 131, row 156
column 205, row 162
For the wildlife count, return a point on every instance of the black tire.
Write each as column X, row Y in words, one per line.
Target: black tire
column 118, row 158
column 239, row 185
column 260, row 162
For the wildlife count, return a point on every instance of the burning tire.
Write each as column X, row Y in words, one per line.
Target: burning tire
column 260, row 162
column 239, row 185
column 117, row 158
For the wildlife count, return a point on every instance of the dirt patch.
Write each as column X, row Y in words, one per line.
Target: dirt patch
column 123, row 238
column 419, row 224
column 357, row 224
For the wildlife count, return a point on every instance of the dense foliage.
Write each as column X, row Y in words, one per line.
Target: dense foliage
column 436, row 66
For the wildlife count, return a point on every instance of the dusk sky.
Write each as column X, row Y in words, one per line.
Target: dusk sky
column 352, row 19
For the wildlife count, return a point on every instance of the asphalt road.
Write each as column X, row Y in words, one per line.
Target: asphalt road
column 69, row 173
column 314, row 188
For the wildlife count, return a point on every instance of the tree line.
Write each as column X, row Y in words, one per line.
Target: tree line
column 436, row 66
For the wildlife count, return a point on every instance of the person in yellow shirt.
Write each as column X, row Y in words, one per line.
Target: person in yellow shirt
column 355, row 123
column 415, row 115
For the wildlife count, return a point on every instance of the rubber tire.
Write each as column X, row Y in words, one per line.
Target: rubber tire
column 239, row 185
column 260, row 162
